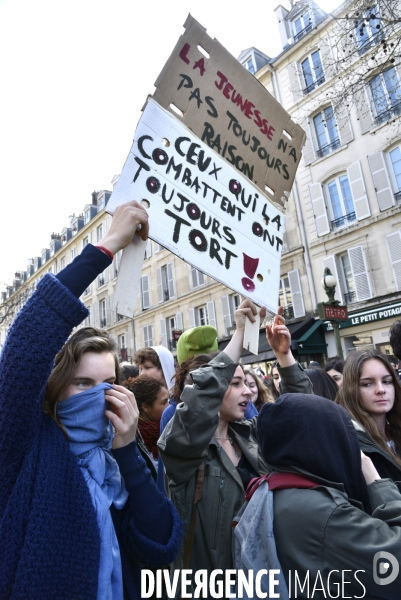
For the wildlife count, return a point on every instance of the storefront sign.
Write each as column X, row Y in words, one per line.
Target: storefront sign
column 368, row 316
column 333, row 313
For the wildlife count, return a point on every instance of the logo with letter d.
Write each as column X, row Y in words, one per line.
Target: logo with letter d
column 382, row 568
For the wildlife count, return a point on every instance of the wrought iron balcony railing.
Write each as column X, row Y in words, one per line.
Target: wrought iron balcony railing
column 325, row 150
column 341, row 221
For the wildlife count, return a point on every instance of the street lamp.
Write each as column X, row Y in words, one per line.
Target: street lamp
column 331, row 310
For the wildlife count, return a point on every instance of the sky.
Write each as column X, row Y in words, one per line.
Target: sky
column 74, row 76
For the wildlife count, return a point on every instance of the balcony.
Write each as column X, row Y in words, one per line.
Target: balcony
column 288, row 312
column 397, row 197
column 350, row 297
column 341, row 221
column 325, row 150
column 388, row 114
column 303, row 32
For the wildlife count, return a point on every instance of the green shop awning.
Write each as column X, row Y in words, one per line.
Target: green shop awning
column 313, row 340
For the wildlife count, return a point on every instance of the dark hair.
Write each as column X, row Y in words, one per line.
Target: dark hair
column 334, row 362
column 323, row 384
column 349, row 397
column 183, row 370
column 145, row 390
column 395, row 338
column 144, row 354
column 86, row 339
column 394, row 360
column 273, row 389
column 263, row 393
column 127, row 370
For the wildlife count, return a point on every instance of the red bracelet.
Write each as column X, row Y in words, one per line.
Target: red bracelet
column 103, row 249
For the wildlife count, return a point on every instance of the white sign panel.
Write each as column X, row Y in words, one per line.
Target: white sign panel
column 201, row 209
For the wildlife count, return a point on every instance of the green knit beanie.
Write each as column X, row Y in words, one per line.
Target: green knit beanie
column 199, row 340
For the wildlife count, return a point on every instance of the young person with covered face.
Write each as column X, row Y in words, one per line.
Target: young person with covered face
column 79, row 511
column 329, row 529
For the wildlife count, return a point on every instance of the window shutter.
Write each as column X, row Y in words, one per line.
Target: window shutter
column 330, row 263
column 194, row 277
column 319, row 209
column 295, row 84
column 191, row 315
column 308, row 152
column 105, row 275
column 381, row 181
column 327, row 58
column 357, row 183
column 359, row 272
column 178, row 321
column 160, row 295
column 394, row 249
column 128, row 343
column 150, row 335
column 211, row 313
column 145, row 336
column 363, row 109
column 145, row 291
column 163, row 328
column 170, row 280
column 91, row 310
column 108, row 320
column 227, row 316
column 296, row 293
column 201, row 278
column 343, row 124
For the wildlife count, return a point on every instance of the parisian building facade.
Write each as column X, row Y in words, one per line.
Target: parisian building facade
column 344, row 211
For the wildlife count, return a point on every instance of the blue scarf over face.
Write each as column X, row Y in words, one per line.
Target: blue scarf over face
column 90, row 434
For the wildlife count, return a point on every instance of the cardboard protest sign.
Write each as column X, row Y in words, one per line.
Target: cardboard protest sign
column 231, row 112
column 201, row 208
column 213, row 161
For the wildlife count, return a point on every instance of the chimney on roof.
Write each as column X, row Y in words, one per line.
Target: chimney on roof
column 94, row 198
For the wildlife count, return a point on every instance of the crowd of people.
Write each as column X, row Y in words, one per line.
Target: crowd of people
column 110, row 468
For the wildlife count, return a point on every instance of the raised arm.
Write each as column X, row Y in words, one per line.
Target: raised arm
column 293, row 377
column 42, row 327
column 183, row 444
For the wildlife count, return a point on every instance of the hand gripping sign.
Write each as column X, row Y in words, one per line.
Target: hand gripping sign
column 207, row 202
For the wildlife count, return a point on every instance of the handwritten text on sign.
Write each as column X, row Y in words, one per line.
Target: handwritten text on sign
column 229, row 110
column 201, row 209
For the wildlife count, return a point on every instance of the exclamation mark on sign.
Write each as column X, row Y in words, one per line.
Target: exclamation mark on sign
column 250, row 266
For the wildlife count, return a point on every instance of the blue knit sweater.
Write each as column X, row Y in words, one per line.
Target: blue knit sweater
column 49, row 540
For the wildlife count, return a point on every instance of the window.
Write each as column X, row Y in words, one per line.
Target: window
column 326, row 132
column 122, row 341
column 197, row 278
column 229, row 305
column 73, row 253
column 87, row 217
column 290, row 296
column 249, row 66
column 347, row 279
column 87, row 321
column 99, row 232
column 395, row 158
column 87, row 291
column 62, row 263
column 368, row 29
column 102, row 313
column 285, row 298
column 101, row 202
column 145, row 292
column 341, row 202
column 312, row 71
column 165, row 283
column 386, row 95
column 147, row 336
column 85, row 241
column 302, row 26
column 101, row 280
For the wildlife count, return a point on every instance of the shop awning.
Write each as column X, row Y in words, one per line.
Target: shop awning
column 313, row 340
column 265, row 353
